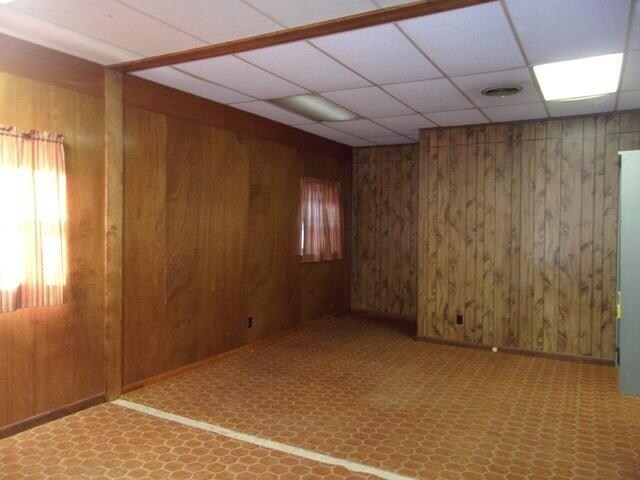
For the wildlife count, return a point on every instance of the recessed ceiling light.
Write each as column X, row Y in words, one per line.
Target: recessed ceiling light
column 577, row 79
column 314, row 107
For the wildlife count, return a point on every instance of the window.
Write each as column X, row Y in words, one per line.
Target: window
column 320, row 220
column 33, row 219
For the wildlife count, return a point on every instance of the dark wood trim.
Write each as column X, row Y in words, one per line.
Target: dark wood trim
column 385, row 316
column 337, row 25
column 154, row 97
column 520, row 351
column 114, row 215
column 49, row 416
column 250, row 347
column 50, row 66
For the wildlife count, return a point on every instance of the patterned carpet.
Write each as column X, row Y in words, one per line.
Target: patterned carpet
column 362, row 390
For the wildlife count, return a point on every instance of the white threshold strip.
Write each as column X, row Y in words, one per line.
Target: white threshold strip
column 262, row 442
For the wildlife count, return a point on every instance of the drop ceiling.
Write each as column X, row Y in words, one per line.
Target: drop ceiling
column 401, row 77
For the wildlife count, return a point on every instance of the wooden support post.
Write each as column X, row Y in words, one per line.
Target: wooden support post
column 114, row 153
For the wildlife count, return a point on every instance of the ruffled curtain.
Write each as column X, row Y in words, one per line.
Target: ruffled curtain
column 320, row 220
column 33, row 219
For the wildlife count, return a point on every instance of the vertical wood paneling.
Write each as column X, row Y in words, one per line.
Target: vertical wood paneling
column 274, row 294
column 211, row 237
column 54, row 356
column 535, row 205
column 114, row 235
column 145, row 286
column 384, row 272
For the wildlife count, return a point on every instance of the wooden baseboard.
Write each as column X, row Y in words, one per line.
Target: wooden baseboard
column 386, row 316
column 45, row 417
column 257, row 345
column 520, row 351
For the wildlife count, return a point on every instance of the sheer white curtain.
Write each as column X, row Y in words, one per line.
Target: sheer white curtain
column 33, row 219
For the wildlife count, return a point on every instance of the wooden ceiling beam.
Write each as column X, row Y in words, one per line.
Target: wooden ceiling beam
column 352, row 22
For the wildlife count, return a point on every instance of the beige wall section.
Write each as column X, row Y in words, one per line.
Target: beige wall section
column 384, row 258
column 518, row 233
column 53, row 356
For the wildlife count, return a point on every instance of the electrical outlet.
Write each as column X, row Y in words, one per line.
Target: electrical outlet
column 249, row 322
column 459, row 319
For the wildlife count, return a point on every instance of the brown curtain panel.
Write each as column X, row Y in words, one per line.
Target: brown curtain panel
column 33, row 219
column 320, row 220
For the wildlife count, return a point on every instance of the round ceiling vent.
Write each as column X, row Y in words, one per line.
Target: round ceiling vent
column 502, row 91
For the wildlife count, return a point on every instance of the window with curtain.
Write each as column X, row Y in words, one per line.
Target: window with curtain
column 33, row 219
column 320, row 220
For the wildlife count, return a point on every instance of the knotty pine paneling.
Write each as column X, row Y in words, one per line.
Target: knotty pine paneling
column 384, row 250
column 518, row 232
column 53, row 356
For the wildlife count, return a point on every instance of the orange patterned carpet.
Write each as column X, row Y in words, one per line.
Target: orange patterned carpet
column 112, row 442
column 361, row 390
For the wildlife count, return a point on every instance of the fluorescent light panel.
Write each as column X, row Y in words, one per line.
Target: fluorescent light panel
column 315, row 108
column 584, row 77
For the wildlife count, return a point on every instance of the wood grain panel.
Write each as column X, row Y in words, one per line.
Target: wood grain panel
column 274, row 293
column 384, row 259
column 53, row 356
column 49, row 66
column 145, row 244
column 538, row 262
column 212, row 232
column 114, row 223
column 188, row 220
column 325, row 285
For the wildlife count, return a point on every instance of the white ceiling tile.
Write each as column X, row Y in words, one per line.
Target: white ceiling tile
column 413, row 134
column 293, row 13
column 392, row 140
column 631, row 73
column 467, row 40
column 602, row 104
column 552, row 30
column 382, row 54
column 361, row 128
column 634, row 37
column 509, row 113
column 405, row 123
column 213, row 21
column 232, row 72
column 429, row 95
column 629, row 100
column 112, row 22
column 459, row 117
column 324, row 131
column 472, row 86
column 266, row 109
column 357, row 142
column 392, row 3
column 180, row 81
column 305, row 65
column 36, row 30
column 368, row 102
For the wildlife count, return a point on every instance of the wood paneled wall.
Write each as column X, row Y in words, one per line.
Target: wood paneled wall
column 211, row 234
column 385, row 200
column 53, row 356
column 326, row 285
column 518, row 233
